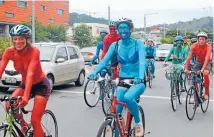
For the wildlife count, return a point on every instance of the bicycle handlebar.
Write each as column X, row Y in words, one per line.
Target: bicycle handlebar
column 7, row 98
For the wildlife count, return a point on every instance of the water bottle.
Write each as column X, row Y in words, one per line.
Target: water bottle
column 198, row 79
column 122, row 123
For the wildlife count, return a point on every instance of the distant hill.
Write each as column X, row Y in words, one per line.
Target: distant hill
column 205, row 23
column 77, row 18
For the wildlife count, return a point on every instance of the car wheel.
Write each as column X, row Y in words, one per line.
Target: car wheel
column 81, row 79
column 51, row 80
column 4, row 89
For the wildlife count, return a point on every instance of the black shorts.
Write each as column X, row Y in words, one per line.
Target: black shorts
column 198, row 66
column 41, row 89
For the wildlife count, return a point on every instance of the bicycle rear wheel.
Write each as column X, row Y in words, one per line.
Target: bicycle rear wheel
column 173, row 96
column 131, row 130
column 105, row 128
column 205, row 103
column 50, row 133
column 4, row 132
column 92, row 96
column 191, row 100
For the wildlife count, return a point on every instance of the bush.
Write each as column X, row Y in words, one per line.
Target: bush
column 4, row 43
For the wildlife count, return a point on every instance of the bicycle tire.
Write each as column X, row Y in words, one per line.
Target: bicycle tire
column 4, row 127
column 204, row 110
column 103, row 100
column 174, row 105
column 85, row 94
column 178, row 92
column 150, row 78
column 55, row 123
column 185, row 82
column 143, row 121
column 190, row 92
column 103, row 128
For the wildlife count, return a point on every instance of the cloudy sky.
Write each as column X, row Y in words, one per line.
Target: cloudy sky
column 168, row 11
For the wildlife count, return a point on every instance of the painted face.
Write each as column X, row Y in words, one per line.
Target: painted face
column 102, row 35
column 112, row 30
column 179, row 43
column 185, row 40
column 19, row 42
column 150, row 43
column 202, row 40
column 124, row 31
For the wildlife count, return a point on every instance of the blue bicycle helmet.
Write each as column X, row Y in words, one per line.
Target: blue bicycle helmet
column 20, row 30
column 179, row 38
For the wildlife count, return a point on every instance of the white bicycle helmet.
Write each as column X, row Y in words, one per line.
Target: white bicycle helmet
column 202, row 34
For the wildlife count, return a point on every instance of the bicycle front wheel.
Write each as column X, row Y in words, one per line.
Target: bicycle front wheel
column 106, row 129
column 150, row 78
column 107, row 98
column 92, row 93
column 50, row 130
column 4, row 132
column 191, row 103
column 174, row 98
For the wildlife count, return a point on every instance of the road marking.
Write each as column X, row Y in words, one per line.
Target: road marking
column 142, row 96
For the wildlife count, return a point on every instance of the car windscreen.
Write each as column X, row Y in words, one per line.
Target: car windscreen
column 46, row 53
column 164, row 47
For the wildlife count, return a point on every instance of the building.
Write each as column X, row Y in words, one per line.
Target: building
column 46, row 11
column 94, row 27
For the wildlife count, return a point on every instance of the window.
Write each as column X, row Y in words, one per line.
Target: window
column 42, row 8
column 72, row 52
column 62, row 53
column 21, row 3
column 67, row 3
column 1, row 29
column 9, row 15
column 1, row 1
column 60, row 11
column 51, row 20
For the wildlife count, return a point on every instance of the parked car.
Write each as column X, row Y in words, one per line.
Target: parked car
column 61, row 62
column 163, row 50
column 88, row 53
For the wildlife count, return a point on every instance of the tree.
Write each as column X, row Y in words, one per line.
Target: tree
column 83, row 36
column 172, row 33
column 168, row 40
column 47, row 33
column 5, row 43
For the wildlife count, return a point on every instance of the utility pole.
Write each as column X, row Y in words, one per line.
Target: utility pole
column 145, row 23
column 185, row 32
column 177, row 31
column 164, row 30
column 109, row 14
column 33, row 21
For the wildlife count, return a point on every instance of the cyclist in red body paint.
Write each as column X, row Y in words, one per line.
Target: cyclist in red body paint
column 34, row 83
column 108, row 40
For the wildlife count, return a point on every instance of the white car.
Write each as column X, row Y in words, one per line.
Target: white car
column 61, row 62
column 163, row 50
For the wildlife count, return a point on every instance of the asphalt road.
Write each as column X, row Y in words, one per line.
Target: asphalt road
column 75, row 119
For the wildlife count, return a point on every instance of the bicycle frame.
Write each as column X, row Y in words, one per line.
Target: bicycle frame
column 114, row 111
column 11, row 121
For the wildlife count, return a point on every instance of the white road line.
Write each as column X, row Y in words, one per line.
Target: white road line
column 142, row 96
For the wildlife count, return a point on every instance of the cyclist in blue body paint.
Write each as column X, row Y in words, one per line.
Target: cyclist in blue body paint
column 131, row 57
column 151, row 53
column 103, row 33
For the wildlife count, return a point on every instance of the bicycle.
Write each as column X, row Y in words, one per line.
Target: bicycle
column 149, row 71
column 10, row 126
column 99, row 83
column 196, row 90
column 112, row 119
column 174, row 78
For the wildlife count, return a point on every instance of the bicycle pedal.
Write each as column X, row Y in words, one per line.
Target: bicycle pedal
column 146, row 133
